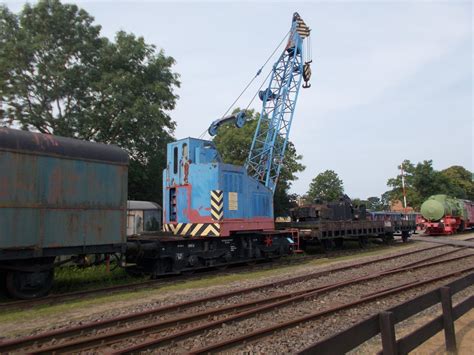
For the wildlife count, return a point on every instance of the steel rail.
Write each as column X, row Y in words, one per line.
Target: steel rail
column 295, row 297
column 68, row 296
column 104, row 339
column 22, row 342
column 437, row 256
column 294, row 322
column 166, row 280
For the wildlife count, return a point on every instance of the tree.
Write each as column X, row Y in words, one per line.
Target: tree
column 422, row 181
column 376, row 204
column 326, row 186
column 396, row 193
column 234, row 144
column 461, row 179
column 359, row 202
column 59, row 76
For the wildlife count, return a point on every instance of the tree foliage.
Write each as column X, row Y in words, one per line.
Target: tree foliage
column 422, row 181
column 234, row 144
column 375, row 203
column 326, row 186
column 461, row 180
column 59, row 76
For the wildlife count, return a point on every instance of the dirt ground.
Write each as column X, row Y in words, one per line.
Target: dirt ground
column 464, row 327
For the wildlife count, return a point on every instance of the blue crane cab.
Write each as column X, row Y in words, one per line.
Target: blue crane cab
column 204, row 197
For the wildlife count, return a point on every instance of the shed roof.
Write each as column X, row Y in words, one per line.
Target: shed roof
column 142, row 205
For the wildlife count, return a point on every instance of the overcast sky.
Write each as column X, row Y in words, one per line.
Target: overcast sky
column 391, row 80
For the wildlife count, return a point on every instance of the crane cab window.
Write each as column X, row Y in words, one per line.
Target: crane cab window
column 175, row 160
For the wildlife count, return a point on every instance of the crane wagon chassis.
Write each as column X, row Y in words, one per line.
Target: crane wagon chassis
column 161, row 254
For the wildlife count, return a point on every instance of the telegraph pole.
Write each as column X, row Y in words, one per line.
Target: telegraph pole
column 403, row 190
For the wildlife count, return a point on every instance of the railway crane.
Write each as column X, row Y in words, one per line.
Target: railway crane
column 204, row 197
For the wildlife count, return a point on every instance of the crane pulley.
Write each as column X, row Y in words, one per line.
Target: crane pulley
column 238, row 119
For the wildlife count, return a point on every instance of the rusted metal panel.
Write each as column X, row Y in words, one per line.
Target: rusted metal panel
column 60, row 192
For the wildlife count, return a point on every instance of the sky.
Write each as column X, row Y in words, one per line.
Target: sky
column 391, row 80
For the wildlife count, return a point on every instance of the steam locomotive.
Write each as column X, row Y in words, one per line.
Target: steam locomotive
column 445, row 215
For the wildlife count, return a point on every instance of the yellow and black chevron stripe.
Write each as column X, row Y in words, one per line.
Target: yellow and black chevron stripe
column 194, row 229
column 302, row 28
column 217, row 205
column 306, row 72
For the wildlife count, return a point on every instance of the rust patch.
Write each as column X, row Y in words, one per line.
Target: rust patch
column 186, row 171
column 55, row 184
column 45, row 140
column 4, row 187
column 195, row 217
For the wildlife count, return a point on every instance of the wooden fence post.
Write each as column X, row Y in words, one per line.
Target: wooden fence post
column 387, row 330
column 449, row 332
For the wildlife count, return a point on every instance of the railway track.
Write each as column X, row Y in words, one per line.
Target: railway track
column 168, row 280
column 152, row 283
column 243, row 340
column 172, row 320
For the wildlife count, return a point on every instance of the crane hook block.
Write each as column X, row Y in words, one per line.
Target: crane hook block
column 239, row 121
column 306, row 75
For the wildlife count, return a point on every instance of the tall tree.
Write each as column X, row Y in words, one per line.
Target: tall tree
column 461, row 179
column 422, row 181
column 59, row 76
column 376, row 204
column 326, row 186
column 234, row 144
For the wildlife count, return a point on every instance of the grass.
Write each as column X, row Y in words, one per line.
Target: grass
column 99, row 275
column 72, row 278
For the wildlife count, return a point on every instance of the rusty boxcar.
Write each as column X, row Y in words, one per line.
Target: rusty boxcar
column 58, row 196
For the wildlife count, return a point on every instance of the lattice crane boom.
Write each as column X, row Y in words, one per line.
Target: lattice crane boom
column 279, row 100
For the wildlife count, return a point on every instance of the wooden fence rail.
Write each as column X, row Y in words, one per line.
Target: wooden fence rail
column 384, row 324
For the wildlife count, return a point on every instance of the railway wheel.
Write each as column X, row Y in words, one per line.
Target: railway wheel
column 405, row 236
column 29, row 285
column 161, row 267
column 223, row 261
column 363, row 241
column 387, row 238
column 339, row 243
column 327, row 244
column 3, row 276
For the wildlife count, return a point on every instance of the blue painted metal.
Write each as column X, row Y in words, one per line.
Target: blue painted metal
column 194, row 169
column 238, row 119
column 279, row 101
column 59, row 192
column 195, row 176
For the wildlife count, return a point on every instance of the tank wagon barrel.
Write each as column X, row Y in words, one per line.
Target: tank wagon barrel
column 447, row 215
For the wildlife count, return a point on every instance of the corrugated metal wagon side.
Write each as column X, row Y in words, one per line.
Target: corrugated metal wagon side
column 58, row 196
